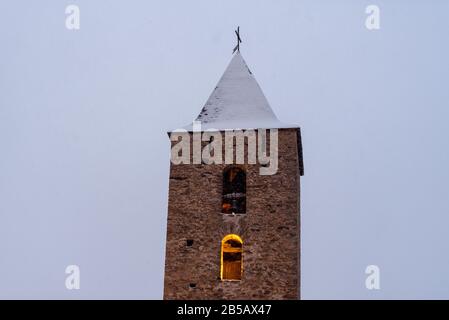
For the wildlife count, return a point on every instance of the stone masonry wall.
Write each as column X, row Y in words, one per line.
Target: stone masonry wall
column 269, row 230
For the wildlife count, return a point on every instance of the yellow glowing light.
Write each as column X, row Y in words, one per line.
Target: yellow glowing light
column 227, row 247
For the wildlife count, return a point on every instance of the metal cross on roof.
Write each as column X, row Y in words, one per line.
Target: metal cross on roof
column 237, row 47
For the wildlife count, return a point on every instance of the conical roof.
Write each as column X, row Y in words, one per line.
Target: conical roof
column 237, row 102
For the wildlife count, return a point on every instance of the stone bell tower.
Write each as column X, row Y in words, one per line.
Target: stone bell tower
column 233, row 229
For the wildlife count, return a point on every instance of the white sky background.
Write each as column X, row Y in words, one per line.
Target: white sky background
column 84, row 155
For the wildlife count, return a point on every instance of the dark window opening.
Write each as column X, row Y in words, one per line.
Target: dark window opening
column 192, row 285
column 234, row 190
column 189, row 243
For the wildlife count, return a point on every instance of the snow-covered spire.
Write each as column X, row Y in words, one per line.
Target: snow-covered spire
column 237, row 102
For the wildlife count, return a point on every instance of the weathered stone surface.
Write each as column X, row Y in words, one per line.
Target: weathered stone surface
column 270, row 230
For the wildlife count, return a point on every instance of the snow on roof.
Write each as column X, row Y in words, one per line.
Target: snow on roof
column 237, row 102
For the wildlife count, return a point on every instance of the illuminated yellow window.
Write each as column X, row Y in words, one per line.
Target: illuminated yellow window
column 231, row 257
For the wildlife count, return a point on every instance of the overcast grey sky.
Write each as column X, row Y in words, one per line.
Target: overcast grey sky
column 84, row 156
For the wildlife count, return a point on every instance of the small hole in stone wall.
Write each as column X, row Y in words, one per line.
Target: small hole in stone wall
column 192, row 285
column 189, row 243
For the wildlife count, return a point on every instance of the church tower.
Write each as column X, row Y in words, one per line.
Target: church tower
column 233, row 229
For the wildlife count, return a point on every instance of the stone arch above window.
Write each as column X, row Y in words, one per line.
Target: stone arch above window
column 234, row 190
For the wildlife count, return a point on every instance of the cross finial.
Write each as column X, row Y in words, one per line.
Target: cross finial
column 237, row 47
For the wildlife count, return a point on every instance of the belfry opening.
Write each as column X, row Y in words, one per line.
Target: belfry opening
column 234, row 190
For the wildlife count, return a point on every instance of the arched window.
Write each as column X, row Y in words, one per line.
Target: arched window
column 231, row 258
column 234, row 190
